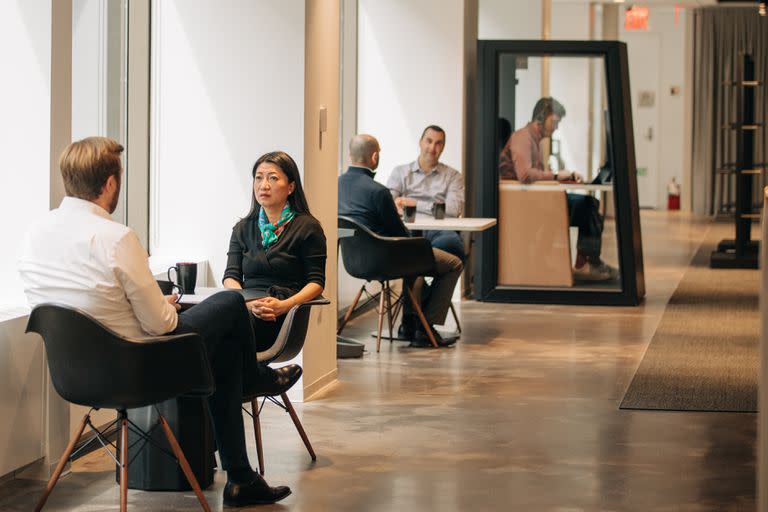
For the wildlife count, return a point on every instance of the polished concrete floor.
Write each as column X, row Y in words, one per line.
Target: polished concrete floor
column 522, row 415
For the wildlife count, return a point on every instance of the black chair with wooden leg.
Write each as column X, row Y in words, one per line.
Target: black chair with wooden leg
column 92, row 365
column 287, row 345
column 372, row 257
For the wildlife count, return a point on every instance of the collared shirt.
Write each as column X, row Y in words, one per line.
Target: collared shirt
column 79, row 257
column 521, row 157
column 444, row 183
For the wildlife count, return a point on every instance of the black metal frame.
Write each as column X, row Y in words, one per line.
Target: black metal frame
column 742, row 251
column 486, row 180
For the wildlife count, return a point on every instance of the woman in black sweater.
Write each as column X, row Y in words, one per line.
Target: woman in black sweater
column 279, row 247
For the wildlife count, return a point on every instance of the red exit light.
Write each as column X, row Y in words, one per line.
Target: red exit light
column 636, row 18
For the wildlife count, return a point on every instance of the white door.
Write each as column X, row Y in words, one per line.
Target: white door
column 644, row 71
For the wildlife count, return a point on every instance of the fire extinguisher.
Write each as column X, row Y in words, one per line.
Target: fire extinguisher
column 673, row 195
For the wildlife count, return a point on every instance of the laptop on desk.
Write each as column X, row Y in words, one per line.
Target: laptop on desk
column 604, row 176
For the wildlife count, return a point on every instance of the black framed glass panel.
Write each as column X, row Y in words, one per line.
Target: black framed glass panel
column 556, row 168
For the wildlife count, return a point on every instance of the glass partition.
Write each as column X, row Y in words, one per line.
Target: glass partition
column 556, row 167
column 555, row 229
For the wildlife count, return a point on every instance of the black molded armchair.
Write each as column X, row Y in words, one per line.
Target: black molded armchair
column 94, row 366
column 367, row 255
column 287, row 345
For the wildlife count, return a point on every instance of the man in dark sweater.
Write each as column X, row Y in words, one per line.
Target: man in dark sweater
column 370, row 203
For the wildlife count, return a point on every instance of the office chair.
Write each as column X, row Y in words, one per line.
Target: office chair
column 92, row 365
column 287, row 345
column 373, row 257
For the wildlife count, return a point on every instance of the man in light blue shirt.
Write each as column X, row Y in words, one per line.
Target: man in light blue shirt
column 428, row 182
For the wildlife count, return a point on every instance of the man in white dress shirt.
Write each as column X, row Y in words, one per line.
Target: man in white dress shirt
column 78, row 256
column 427, row 180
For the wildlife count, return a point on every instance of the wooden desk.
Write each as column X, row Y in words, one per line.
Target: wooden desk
column 203, row 292
column 556, row 186
column 471, row 224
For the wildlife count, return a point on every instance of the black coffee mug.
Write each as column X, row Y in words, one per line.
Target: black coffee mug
column 438, row 210
column 186, row 276
column 409, row 213
column 167, row 288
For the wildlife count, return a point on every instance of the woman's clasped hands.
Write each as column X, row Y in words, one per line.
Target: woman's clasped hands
column 269, row 308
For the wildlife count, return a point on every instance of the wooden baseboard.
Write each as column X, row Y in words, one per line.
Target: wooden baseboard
column 313, row 389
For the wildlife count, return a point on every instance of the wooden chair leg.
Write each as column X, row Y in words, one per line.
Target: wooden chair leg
column 381, row 317
column 455, row 317
column 182, row 462
column 62, row 463
column 398, row 308
column 257, row 433
column 424, row 323
column 389, row 311
column 299, row 427
column 123, row 463
column 348, row 314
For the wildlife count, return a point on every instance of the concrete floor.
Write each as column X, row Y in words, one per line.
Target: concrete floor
column 522, row 415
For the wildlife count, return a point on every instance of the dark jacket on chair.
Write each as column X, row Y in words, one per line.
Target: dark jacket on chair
column 369, row 202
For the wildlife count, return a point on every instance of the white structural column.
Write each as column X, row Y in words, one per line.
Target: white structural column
column 57, row 411
column 321, row 166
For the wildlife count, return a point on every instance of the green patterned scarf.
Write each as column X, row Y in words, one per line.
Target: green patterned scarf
column 271, row 232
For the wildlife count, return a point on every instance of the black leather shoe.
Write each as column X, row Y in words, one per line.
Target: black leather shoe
column 421, row 340
column 257, row 492
column 405, row 332
column 281, row 380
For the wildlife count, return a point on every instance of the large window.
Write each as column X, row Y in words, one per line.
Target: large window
column 98, row 108
column 25, row 98
column 99, row 74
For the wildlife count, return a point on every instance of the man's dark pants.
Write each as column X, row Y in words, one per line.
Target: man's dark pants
column 448, row 241
column 223, row 322
column 584, row 213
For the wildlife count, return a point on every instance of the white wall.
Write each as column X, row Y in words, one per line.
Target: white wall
column 410, row 76
column 515, row 19
column 22, row 377
column 569, row 84
column 228, row 86
column 509, row 19
column 25, row 103
column 522, row 19
column 671, row 72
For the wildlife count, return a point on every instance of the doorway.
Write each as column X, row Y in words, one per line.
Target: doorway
column 644, row 61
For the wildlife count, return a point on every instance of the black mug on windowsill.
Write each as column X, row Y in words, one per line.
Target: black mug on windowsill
column 167, row 288
column 186, row 276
